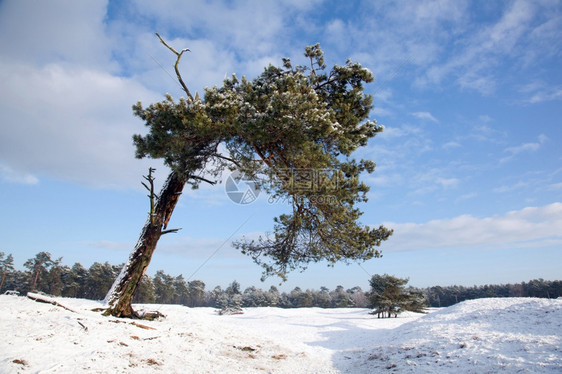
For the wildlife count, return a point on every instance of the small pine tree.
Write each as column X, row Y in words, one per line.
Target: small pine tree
column 388, row 296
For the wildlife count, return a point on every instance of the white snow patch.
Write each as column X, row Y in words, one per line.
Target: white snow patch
column 486, row 335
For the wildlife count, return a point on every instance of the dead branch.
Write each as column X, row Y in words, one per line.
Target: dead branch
column 47, row 300
column 170, row 231
column 143, row 326
column 176, row 65
column 83, row 326
column 133, row 323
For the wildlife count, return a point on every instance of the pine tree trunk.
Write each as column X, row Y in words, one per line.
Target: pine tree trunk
column 3, row 279
column 34, row 283
column 120, row 296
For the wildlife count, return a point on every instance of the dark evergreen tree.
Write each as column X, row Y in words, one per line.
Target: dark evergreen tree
column 99, row 280
column 272, row 296
column 75, row 281
column 181, row 291
column 6, row 267
column 196, row 293
column 340, row 298
column 253, row 297
column 164, row 288
column 145, row 293
column 358, row 297
column 39, row 267
column 323, row 298
column 234, row 297
column 294, row 297
column 55, row 283
column 218, row 298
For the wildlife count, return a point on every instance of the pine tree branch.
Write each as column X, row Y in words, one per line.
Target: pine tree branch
column 203, row 179
column 227, row 159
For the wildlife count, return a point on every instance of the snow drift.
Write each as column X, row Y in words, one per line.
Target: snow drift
column 486, row 335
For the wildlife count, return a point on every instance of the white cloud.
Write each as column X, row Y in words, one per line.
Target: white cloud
column 546, row 94
column 467, row 196
column 10, row 175
column 447, row 182
column 484, row 133
column 64, row 111
column 526, row 147
column 425, row 116
column 518, row 35
column 251, row 29
column 405, row 35
column 74, row 124
column 338, row 33
column 531, row 226
column 504, row 189
column 542, row 138
column 538, row 91
column 72, row 32
column 523, row 148
column 452, row 144
column 555, row 186
column 391, row 132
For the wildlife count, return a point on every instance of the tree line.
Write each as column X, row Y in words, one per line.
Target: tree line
column 446, row 296
column 43, row 273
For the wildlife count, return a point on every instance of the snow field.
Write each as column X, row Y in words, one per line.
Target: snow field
column 479, row 336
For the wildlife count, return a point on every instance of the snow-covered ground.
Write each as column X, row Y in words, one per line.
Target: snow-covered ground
column 479, row 336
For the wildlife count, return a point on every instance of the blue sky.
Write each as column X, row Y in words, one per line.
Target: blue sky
column 469, row 167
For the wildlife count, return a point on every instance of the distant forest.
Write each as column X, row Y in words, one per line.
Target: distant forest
column 45, row 274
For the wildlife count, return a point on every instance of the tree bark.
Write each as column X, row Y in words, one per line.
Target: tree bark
column 34, row 283
column 3, row 279
column 119, row 298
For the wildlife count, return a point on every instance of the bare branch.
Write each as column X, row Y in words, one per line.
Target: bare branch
column 169, row 231
column 150, row 189
column 176, row 65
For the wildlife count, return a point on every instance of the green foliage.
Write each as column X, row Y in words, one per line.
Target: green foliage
column 100, row 278
column 294, row 120
column 182, row 134
column 145, row 292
